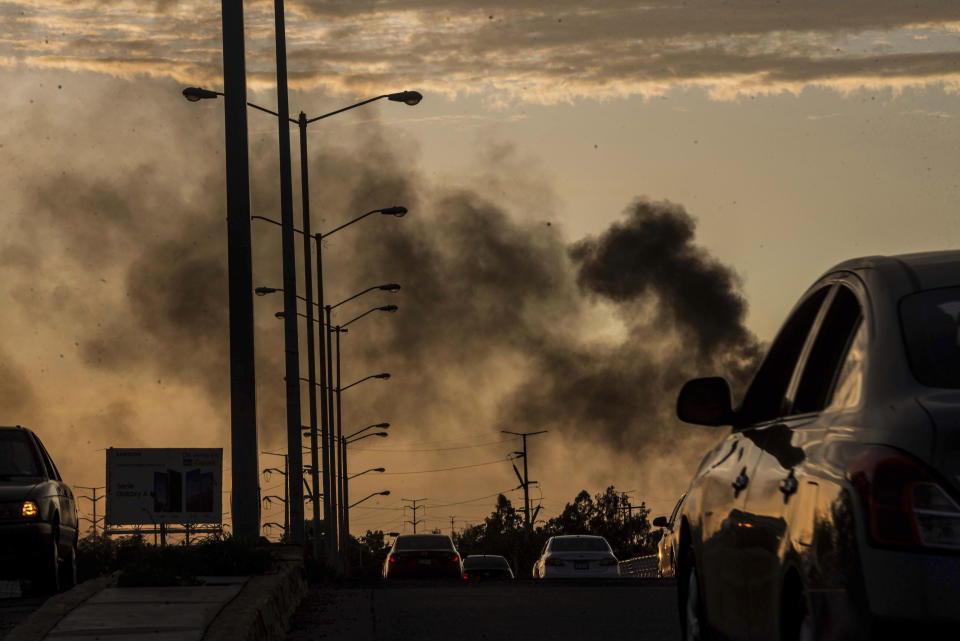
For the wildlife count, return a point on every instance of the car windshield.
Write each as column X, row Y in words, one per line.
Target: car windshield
column 930, row 331
column 486, row 562
column 424, row 542
column 17, row 457
column 578, row 544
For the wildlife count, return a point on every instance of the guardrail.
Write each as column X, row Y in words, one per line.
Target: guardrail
column 641, row 567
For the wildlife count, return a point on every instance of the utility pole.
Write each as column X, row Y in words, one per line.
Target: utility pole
column 245, row 509
column 414, row 507
column 525, row 480
column 286, row 495
column 451, row 527
column 93, row 499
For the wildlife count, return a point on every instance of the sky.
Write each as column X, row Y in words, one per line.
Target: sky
column 605, row 201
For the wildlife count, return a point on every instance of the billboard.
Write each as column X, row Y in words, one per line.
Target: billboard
column 149, row 486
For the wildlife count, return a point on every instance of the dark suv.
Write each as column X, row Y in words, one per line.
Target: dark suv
column 38, row 515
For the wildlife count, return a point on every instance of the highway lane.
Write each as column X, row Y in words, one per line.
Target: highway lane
column 523, row 611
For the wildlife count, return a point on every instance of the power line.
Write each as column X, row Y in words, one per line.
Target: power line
column 433, row 449
column 447, row 469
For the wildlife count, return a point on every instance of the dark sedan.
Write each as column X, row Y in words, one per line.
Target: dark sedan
column 422, row 556
column 831, row 510
column 38, row 515
column 486, row 566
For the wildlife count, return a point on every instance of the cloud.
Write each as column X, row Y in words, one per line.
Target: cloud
column 508, row 51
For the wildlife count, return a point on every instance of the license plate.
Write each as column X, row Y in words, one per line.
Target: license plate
column 580, row 565
column 424, row 561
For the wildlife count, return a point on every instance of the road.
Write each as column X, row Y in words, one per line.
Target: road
column 521, row 611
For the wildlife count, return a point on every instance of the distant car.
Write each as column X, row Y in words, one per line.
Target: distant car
column 38, row 515
column 576, row 556
column 486, row 566
column 667, row 546
column 422, row 556
column 831, row 509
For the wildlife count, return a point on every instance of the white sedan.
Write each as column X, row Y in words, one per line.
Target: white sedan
column 576, row 556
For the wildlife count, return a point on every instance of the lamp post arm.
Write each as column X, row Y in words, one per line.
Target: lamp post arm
column 369, row 311
column 347, row 224
column 360, row 438
column 368, row 427
column 334, row 113
column 274, row 222
column 365, row 378
column 366, row 498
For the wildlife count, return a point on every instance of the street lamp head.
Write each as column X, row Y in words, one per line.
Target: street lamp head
column 379, row 469
column 382, row 434
column 382, row 425
column 407, row 97
column 385, row 493
column 397, row 211
column 193, row 94
column 393, row 288
column 280, row 315
column 385, row 375
column 263, row 291
column 388, row 308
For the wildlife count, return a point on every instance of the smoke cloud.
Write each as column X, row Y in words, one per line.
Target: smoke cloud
column 116, row 262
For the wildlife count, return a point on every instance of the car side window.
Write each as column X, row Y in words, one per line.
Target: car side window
column 823, row 363
column 52, row 471
column 849, row 385
column 765, row 396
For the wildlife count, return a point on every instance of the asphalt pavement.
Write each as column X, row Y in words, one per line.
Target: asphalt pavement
column 522, row 610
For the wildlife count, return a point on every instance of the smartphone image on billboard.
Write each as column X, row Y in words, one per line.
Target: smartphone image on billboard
column 199, row 491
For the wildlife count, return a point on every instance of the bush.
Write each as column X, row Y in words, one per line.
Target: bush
column 141, row 564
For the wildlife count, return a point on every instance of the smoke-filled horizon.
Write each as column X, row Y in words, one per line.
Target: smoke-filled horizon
column 114, row 264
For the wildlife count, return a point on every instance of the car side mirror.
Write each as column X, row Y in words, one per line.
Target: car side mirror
column 660, row 521
column 705, row 401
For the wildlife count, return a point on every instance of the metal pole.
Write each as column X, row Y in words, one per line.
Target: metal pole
column 245, row 507
column 323, row 334
column 526, row 489
column 290, row 335
column 311, row 363
column 343, row 473
column 333, row 527
column 286, row 498
column 346, row 508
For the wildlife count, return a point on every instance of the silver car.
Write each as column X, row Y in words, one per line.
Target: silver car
column 831, row 510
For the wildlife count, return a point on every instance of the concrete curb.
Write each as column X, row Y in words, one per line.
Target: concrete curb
column 41, row 622
column 262, row 609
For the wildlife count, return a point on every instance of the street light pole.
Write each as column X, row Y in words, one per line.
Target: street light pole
column 290, row 335
column 331, row 494
column 342, row 536
column 311, row 363
column 245, row 508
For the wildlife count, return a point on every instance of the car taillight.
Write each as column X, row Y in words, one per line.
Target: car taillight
column 393, row 558
column 906, row 505
column 456, row 558
column 466, row 576
column 608, row 562
column 553, row 561
column 29, row 508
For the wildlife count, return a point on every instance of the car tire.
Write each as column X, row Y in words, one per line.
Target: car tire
column 693, row 620
column 796, row 622
column 68, row 568
column 46, row 578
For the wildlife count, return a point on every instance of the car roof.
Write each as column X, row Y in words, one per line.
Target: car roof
column 485, row 556
column 925, row 270
column 577, row 536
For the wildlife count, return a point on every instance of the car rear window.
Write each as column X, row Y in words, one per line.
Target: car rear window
column 17, row 457
column 424, row 542
column 930, row 331
column 591, row 544
column 485, row 562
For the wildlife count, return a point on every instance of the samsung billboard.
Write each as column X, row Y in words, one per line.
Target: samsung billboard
column 150, row 486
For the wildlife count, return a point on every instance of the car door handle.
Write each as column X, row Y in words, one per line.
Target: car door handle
column 740, row 482
column 789, row 485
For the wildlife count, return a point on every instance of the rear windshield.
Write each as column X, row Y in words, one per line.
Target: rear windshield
column 930, row 331
column 488, row 562
column 17, row 457
column 424, row 542
column 592, row 544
